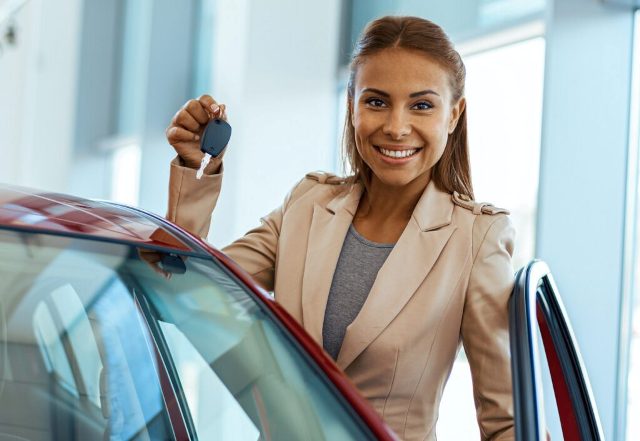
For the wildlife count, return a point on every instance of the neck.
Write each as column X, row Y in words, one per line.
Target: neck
column 392, row 202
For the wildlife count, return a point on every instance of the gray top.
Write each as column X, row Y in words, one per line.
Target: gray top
column 356, row 270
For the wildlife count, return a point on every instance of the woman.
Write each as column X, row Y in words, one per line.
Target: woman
column 390, row 268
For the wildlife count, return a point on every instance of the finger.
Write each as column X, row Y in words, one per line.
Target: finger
column 179, row 134
column 152, row 259
column 186, row 120
column 223, row 112
column 195, row 109
column 210, row 104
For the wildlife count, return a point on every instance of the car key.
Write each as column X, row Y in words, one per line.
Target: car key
column 214, row 139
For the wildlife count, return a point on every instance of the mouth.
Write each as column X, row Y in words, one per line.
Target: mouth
column 397, row 154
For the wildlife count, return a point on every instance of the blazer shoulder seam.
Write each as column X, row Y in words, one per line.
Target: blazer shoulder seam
column 301, row 188
column 326, row 178
column 476, row 208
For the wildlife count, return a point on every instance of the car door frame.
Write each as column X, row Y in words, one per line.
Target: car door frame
column 535, row 302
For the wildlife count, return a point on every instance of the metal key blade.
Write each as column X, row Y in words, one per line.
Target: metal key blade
column 205, row 161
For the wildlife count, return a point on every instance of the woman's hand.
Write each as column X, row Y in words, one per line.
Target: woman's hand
column 187, row 127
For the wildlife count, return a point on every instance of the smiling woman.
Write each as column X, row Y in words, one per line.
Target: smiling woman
column 404, row 121
column 390, row 268
column 401, row 126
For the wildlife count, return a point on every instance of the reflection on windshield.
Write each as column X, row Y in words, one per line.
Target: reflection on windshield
column 240, row 375
column 79, row 361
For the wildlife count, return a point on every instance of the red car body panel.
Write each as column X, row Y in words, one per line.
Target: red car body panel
column 30, row 209
column 37, row 211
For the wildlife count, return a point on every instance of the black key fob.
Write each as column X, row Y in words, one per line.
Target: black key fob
column 215, row 137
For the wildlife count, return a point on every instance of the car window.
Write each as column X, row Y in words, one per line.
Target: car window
column 82, row 346
column 216, row 413
column 106, row 321
column 241, row 373
column 80, row 362
column 52, row 351
column 272, row 390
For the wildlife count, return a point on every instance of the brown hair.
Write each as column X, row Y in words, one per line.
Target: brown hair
column 452, row 172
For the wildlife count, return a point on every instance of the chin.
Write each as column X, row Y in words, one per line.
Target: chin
column 399, row 179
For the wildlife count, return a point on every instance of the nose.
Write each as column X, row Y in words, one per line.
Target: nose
column 397, row 124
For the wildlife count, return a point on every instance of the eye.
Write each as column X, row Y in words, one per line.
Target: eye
column 422, row 105
column 375, row 102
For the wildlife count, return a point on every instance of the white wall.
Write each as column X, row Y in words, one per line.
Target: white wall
column 37, row 105
column 275, row 67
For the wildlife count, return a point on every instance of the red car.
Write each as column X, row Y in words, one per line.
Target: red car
column 117, row 324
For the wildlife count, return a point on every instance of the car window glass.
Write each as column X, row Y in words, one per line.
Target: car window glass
column 140, row 353
column 82, row 343
column 80, row 361
column 274, row 384
column 51, row 348
column 271, row 381
column 216, row 413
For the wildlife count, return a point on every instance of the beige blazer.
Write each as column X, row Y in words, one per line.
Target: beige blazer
column 447, row 280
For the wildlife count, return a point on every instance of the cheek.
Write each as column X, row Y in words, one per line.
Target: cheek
column 435, row 137
column 362, row 128
column 438, row 133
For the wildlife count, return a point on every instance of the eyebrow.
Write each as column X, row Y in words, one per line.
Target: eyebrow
column 412, row 95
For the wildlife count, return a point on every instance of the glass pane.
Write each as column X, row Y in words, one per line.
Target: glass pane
column 633, row 374
column 77, row 360
column 51, row 349
column 226, row 347
column 462, row 19
column 216, row 413
column 242, row 376
column 504, row 104
column 75, row 322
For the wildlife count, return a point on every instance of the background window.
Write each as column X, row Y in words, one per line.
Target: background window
column 633, row 374
column 504, row 105
column 504, row 111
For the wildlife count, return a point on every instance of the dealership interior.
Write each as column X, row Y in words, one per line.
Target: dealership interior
column 87, row 89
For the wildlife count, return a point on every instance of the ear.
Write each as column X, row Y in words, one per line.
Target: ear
column 456, row 111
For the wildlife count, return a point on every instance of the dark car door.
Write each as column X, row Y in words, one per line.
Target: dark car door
column 538, row 321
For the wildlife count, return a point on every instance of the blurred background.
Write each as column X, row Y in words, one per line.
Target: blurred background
column 88, row 87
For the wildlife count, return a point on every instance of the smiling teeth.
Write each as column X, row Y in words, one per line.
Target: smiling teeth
column 397, row 153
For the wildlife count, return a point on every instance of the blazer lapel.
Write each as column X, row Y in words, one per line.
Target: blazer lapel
column 405, row 269
column 329, row 227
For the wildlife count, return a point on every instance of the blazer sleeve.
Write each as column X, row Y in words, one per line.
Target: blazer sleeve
column 192, row 201
column 485, row 327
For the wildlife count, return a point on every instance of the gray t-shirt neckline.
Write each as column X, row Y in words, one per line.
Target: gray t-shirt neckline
column 356, row 271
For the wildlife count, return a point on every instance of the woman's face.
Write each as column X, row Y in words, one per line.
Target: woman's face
column 402, row 113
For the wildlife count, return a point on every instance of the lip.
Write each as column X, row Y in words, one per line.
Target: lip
column 396, row 147
column 396, row 161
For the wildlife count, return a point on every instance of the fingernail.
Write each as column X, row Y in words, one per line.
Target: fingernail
column 215, row 107
column 197, row 137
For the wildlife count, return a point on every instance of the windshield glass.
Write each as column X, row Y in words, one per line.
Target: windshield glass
column 93, row 334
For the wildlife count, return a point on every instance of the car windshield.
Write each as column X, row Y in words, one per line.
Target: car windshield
column 108, row 340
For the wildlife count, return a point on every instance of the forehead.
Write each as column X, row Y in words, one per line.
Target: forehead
column 400, row 70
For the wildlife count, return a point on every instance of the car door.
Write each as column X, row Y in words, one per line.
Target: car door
column 543, row 346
